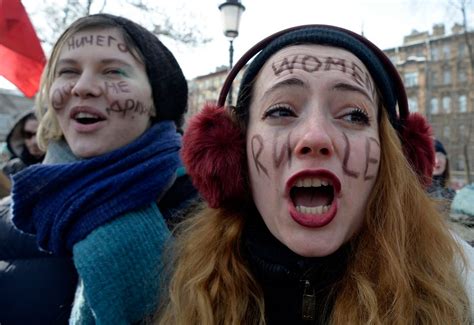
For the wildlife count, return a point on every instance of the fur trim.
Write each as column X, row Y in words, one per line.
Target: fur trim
column 417, row 143
column 214, row 155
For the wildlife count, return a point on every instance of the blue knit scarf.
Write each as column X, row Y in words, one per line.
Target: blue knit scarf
column 62, row 203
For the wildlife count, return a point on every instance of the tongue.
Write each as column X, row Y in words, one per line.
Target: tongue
column 311, row 197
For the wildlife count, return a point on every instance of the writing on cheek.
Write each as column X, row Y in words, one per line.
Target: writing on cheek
column 75, row 42
column 128, row 106
column 347, row 153
column 257, row 148
column 310, row 63
column 369, row 159
column 116, row 87
column 60, row 95
column 284, row 152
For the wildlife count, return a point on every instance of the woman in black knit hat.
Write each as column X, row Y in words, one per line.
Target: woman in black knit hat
column 439, row 187
column 112, row 100
column 316, row 205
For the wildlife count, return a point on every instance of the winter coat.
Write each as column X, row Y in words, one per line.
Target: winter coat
column 35, row 287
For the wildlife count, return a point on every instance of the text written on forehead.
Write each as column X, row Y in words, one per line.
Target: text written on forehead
column 311, row 63
column 76, row 42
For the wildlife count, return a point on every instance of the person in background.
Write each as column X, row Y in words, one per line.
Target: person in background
column 22, row 144
column 439, row 187
column 111, row 101
column 316, row 210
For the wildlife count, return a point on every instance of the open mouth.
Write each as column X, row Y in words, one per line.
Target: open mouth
column 87, row 118
column 312, row 195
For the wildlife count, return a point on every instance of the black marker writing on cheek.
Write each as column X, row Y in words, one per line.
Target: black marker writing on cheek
column 369, row 159
column 257, row 140
column 285, row 151
column 116, row 87
column 59, row 96
column 129, row 105
column 347, row 153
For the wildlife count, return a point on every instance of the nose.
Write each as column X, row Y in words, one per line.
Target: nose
column 315, row 140
column 86, row 86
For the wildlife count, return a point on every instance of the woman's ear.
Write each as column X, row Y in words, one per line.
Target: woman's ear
column 214, row 155
column 417, row 143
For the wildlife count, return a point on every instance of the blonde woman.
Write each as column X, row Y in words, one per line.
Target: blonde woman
column 317, row 212
column 111, row 102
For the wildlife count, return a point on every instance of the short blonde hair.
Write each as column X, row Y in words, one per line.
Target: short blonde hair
column 48, row 128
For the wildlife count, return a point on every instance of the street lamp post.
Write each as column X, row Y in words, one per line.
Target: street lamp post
column 231, row 10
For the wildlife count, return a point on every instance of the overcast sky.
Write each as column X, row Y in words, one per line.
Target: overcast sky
column 384, row 22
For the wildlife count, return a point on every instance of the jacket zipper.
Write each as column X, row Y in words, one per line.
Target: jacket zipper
column 309, row 302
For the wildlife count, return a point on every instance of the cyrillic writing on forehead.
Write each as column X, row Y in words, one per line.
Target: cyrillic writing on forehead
column 75, row 42
column 311, row 64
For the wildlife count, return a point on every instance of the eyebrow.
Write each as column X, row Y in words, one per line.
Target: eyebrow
column 292, row 82
column 349, row 87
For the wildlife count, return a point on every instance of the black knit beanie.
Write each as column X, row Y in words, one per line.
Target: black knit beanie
column 379, row 66
column 439, row 147
column 168, row 84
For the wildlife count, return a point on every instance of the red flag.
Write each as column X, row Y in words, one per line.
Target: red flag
column 21, row 57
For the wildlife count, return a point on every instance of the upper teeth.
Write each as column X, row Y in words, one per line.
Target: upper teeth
column 312, row 182
column 85, row 115
column 313, row 210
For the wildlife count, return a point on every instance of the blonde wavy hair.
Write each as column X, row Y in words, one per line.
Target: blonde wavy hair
column 405, row 268
column 48, row 127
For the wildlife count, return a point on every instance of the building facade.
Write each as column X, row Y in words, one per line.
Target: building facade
column 438, row 76
column 205, row 89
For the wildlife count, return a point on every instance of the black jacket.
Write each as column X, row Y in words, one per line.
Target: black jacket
column 35, row 287
column 297, row 290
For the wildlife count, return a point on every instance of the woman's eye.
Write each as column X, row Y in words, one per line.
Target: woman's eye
column 66, row 71
column 279, row 111
column 115, row 72
column 357, row 116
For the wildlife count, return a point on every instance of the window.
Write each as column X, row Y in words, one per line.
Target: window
column 447, row 104
column 462, row 104
column 411, row 79
column 434, row 54
column 447, row 132
column 446, row 51
column 461, row 50
column 446, row 76
column 434, row 105
column 434, row 78
column 462, row 76
column 413, row 104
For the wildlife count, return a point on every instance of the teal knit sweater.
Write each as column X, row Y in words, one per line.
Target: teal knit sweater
column 119, row 265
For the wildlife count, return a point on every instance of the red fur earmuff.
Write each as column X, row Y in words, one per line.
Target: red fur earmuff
column 417, row 142
column 214, row 155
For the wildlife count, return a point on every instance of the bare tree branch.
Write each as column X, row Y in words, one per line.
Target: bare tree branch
column 59, row 17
